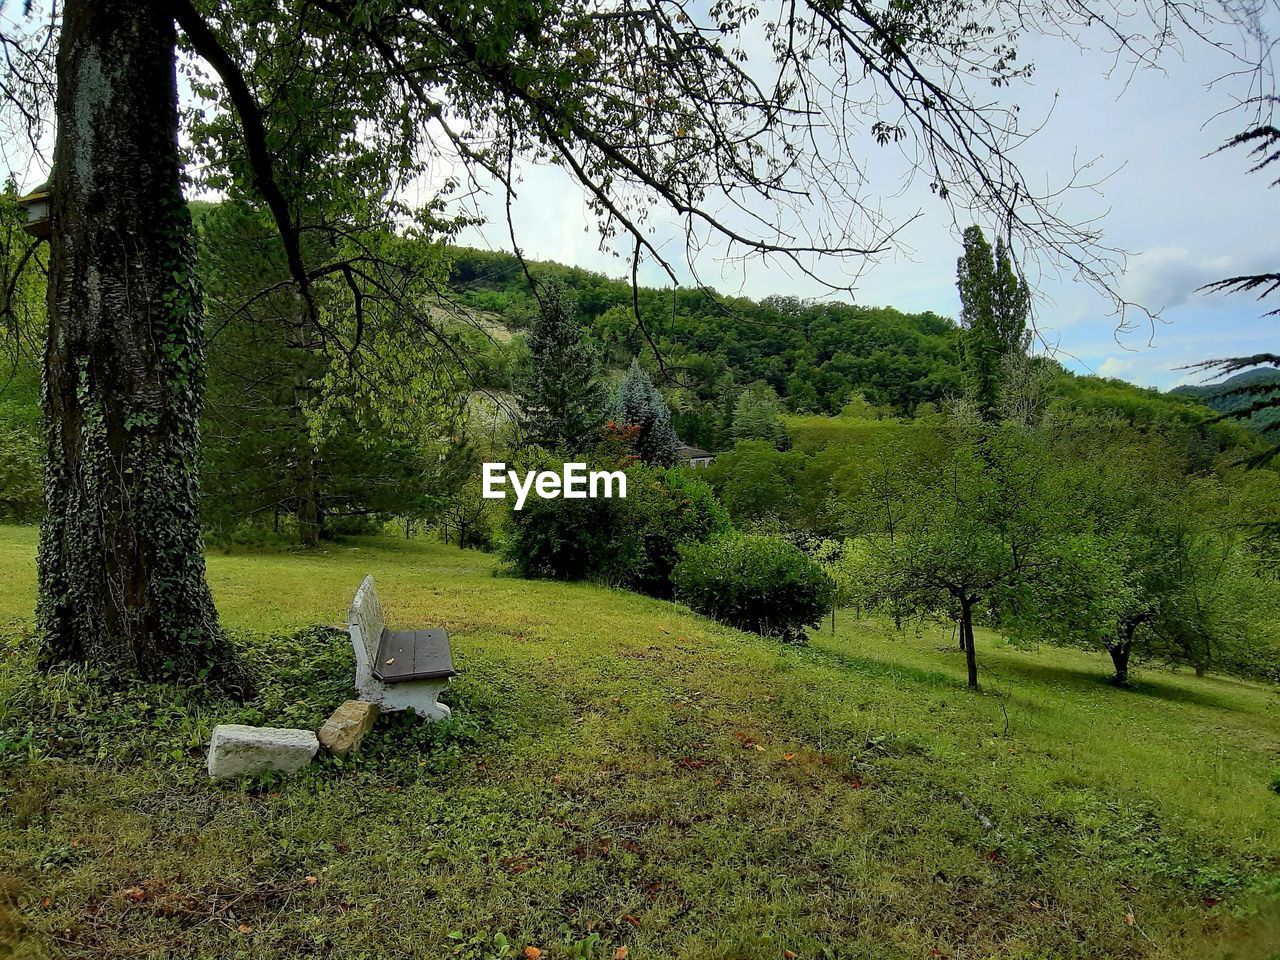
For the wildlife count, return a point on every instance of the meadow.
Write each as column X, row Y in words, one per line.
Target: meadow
column 623, row 779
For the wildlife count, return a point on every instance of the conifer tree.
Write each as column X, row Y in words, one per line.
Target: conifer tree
column 562, row 398
column 642, row 406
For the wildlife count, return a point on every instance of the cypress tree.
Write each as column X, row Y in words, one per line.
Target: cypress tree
column 994, row 304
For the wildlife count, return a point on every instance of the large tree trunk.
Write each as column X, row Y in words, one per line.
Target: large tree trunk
column 966, row 639
column 121, row 570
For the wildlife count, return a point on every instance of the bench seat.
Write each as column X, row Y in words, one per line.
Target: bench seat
column 413, row 655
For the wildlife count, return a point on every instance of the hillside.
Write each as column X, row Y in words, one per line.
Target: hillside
column 816, row 356
column 1231, row 394
column 621, row 770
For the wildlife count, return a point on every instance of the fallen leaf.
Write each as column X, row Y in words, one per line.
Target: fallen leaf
column 631, row 920
column 1128, row 918
column 788, row 757
column 790, row 954
column 1035, row 905
column 758, row 747
column 621, row 953
column 533, row 953
column 311, row 880
column 136, row 894
column 245, row 928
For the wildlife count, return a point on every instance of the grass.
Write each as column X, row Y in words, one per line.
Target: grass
column 621, row 773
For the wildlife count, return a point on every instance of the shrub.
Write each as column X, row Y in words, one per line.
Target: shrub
column 591, row 539
column 668, row 508
column 754, row 582
column 629, row 542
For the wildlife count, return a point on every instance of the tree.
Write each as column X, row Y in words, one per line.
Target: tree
column 994, row 304
column 121, row 567
column 1161, row 585
column 757, row 483
column 1262, row 140
column 22, row 295
column 562, row 398
column 1116, row 573
column 981, row 532
column 469, row 516
column 350, row 100
column 286, row 431
column 758, row 416
column 640, row 405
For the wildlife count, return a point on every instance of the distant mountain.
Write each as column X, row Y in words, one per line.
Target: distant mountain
column 1238, row 392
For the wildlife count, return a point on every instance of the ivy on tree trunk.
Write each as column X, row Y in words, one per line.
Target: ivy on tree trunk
column 122, row 580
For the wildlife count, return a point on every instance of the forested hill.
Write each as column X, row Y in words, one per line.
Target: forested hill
column 817, row 357
column 1239, row 392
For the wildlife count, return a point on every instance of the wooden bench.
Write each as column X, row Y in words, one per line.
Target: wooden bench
column 397, row 670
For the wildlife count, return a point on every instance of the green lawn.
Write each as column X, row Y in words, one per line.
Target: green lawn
column 621, row 773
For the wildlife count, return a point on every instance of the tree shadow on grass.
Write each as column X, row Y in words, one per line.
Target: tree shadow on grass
column 1088, row 680
column 1014, row 665
column 879, row 669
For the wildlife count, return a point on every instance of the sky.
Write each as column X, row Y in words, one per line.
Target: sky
column 1184, row 214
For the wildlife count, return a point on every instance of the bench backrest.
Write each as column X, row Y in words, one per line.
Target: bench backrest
column 365, row 623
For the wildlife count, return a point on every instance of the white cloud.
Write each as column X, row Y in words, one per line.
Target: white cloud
column 1114, row 367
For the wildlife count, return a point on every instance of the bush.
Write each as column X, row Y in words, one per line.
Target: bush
column 591, row 539
column 754, row 582
column 631, row 542
column 668, row 508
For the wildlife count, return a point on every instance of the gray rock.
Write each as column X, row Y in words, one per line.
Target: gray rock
column 236, row 750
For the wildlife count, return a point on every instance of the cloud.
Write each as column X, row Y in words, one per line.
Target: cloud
column 1114, row 367
column 1168, row 277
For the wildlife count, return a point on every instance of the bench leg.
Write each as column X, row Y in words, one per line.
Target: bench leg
column 420, row 696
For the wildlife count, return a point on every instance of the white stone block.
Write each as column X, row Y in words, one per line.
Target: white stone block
column 237, row 749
